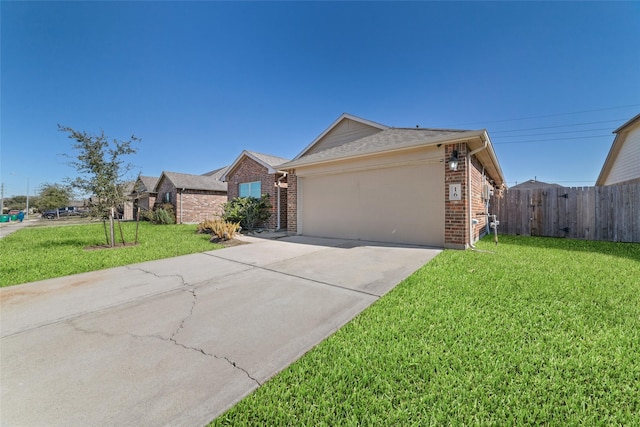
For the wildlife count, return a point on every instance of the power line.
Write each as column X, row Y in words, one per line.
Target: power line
column 551, row 133
column 549, row 115
column 549, row 140
column 557, row 126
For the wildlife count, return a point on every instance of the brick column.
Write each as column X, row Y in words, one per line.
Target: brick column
column 292, row 202
column 456, row 215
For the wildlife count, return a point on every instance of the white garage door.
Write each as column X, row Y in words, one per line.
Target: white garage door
column 402, row 204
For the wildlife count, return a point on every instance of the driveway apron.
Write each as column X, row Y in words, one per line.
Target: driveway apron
column 179, row 341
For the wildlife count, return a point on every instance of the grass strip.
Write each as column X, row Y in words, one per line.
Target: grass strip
column 37, row 253
column 537, row 332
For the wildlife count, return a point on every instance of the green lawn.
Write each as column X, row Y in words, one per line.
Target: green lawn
column 36, row 253
column 538, row 332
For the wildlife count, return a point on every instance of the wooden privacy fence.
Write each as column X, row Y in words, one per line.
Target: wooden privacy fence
column 594, row 213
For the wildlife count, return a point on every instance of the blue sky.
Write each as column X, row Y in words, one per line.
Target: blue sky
column 201, row 81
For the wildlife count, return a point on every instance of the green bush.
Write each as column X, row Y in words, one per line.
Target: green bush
column 164, row 214
column 250, row 212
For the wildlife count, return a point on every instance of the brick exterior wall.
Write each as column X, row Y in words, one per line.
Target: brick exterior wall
column 478, row 207
column 457, row 215
column 456, row 220
column 196, row 205
column 191, row 206
column 292, row 202
column 249, row 171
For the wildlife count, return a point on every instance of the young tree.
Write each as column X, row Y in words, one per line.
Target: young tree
column 53, row 196
column 101, row 171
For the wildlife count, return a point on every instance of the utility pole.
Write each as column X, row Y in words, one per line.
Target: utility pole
column 1, row 198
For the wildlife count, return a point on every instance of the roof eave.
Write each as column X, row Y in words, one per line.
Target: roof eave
column 628, row 123
column 479, row 137
column 611, row 157
column 435, row 141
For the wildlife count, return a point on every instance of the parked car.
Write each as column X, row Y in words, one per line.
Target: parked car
column 63, row 212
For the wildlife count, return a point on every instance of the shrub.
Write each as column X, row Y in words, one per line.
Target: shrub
column 221, row 230
column 248, row 211
column 163, row 214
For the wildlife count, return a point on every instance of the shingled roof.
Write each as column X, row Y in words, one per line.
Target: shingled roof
column 217, row 173
column 194, row 182
column 268, row 161
column 148, row 182
column 383, row 141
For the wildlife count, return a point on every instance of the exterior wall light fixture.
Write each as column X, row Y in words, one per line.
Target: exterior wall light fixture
column 453, row 161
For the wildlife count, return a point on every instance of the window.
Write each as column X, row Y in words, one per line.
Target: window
column 250, row 189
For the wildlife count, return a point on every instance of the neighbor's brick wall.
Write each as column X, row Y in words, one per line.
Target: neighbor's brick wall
column 193, row 206
column 456, row 219
column 165, row 187
column 292, row 202
column 248, row 171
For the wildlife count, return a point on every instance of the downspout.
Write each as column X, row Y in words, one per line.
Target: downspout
column 284, row 175
column 471, row 153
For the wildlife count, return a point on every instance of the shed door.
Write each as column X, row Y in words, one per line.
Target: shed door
column 401, row 204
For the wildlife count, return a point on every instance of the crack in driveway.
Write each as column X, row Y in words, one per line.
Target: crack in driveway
column 73, row 323
column 200, row 350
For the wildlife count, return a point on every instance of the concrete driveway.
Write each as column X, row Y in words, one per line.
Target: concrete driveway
column 178, row 341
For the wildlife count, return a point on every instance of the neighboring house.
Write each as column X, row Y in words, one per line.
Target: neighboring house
column 128, row 207
column 362, row 180
column 533, row 184
column 255, row 174
column 194, row 197
column 143, row 194
column 622, row 164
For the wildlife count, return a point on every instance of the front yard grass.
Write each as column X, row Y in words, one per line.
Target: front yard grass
column 539, row 332
column 37, row 253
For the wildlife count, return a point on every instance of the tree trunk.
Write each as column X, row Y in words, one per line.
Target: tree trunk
column 121, row 233
column 137, row 224
column 106, row 235
column 111, row 229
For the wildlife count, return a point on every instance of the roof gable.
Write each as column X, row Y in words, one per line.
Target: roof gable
column 192, row 182
column 345, row 129
column 144, row 184
column 623, row 160
column 268, row 161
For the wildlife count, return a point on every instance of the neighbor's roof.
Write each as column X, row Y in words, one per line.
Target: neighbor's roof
column 616, row 146
column 193, row 182
column 149, row 183
column 268, row 161
column 217, row 173
column 533, row 184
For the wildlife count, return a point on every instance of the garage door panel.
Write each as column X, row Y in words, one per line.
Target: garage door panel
column 396, row 204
